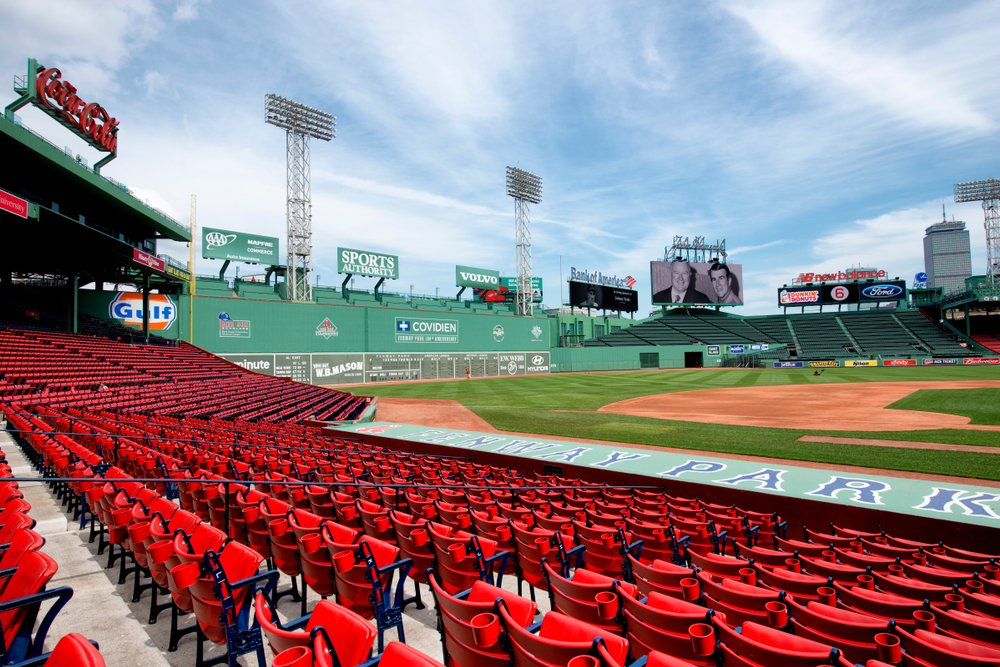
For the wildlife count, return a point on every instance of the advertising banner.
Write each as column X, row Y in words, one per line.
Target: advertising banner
column 799, row 296
column 239, row 247
column 146, row 259
column 586, row 295
column 12, row 204
column 230, row 328
column 824, row 364
column 598, row 278
column 940, row 362
column 177, row 272
column 758, row 347
column 788, row 364
column 735, row 349
column 899, row 362
column 851, row 363
column 713, row 351
column 696, row 283
column 497, row 296
column 258, row 363
column 468, row 276
column 989, row 361
column 510, row 285
column 894, row 290
column 338, row 368
column 367, row 263
column 127, row 306
column 424, row 330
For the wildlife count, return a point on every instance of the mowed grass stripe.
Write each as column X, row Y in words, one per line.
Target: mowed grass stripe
column 536, row 404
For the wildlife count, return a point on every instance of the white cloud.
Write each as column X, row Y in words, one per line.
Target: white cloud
column 187, row 10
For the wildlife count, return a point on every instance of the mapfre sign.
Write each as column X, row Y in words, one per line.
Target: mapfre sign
column 59, row 99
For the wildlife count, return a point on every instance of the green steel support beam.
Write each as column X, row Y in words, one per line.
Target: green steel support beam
column 343, row 286
column 222, row 273
column 458, row 296
column 27, row 93
column 378, row 297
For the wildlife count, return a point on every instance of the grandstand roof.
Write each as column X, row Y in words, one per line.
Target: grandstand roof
column 78, row 221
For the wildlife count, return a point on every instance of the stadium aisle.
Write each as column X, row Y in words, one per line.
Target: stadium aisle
column 101, row 609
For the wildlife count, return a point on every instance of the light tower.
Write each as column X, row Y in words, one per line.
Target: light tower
column 300, row 123
column 988, row 192
column 526, row 189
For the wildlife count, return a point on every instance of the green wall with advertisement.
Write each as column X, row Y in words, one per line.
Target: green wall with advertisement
column 231, row 325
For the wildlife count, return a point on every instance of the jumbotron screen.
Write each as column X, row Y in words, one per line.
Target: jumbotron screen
column 587, row 295
column 691, row 283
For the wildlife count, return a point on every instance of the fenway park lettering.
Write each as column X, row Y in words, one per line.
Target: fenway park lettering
column 91, row 119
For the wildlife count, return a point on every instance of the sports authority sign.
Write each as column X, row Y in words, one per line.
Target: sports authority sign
column 12, row 204
column 468, row 276
column 238, row 247
column 367, row 263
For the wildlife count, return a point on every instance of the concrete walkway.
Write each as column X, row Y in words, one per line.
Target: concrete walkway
column 102, row 610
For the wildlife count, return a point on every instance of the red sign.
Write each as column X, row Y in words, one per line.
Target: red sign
column 147, row 260
column 852, row 274
column 91, row 121
column 12, row 204
column 899, row 362
column 990, row 361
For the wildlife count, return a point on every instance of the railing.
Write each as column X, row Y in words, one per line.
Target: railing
column 82, row 165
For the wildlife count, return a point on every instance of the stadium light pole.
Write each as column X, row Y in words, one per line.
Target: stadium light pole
column 526, row 189
column 300, row 123
column 988, row 192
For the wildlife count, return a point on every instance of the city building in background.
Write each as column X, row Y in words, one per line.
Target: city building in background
column 947, row 256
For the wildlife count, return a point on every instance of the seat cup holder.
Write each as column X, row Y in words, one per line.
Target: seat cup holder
column 748, row 576
column 160, row 552
column 278, row 527
column 383, row 524
column 827, row 595
column 428, row 511
column 121, row 518
column 777, row 614
column 793, row 565
column 830, row 556
column 919, row 558
column 955, row 602
column 992, row 572
column 312, row 543
column 138, row 532
column 491, row 512
column 888, row 647
column 583, row 661
column 457, row 552
column 690, row 589
column 298, row 656
column 343, row 561
column 974, row 586
column 419, row 537
column 897, row 570
column 349, row 513
column 464, row 521
column 608, row 540
column 607, row 604
column 924, row 619
column 485, row 629
column 702, row 639
column 185, row 574
column 866, row 581
column 857, row 547
column 251, row 514
column 503, row 533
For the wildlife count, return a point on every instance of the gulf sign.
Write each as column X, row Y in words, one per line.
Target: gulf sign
column 127, row 306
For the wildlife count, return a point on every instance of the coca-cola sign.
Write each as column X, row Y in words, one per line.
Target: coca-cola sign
column 59, row 99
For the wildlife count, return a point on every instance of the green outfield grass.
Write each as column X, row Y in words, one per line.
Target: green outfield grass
column 536, row 404
column 982, row 406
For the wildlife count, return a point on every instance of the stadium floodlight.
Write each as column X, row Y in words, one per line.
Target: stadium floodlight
column 300, row 122
column 526, row 189
column 988, row 192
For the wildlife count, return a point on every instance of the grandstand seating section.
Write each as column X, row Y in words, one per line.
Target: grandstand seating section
column 82, row 371
column 989, row 341
column 903, row 333
column 670, row 580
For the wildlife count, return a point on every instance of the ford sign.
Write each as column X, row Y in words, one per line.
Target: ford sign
column 881, row 292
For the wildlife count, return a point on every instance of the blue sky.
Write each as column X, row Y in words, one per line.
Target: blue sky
column 811, row 136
